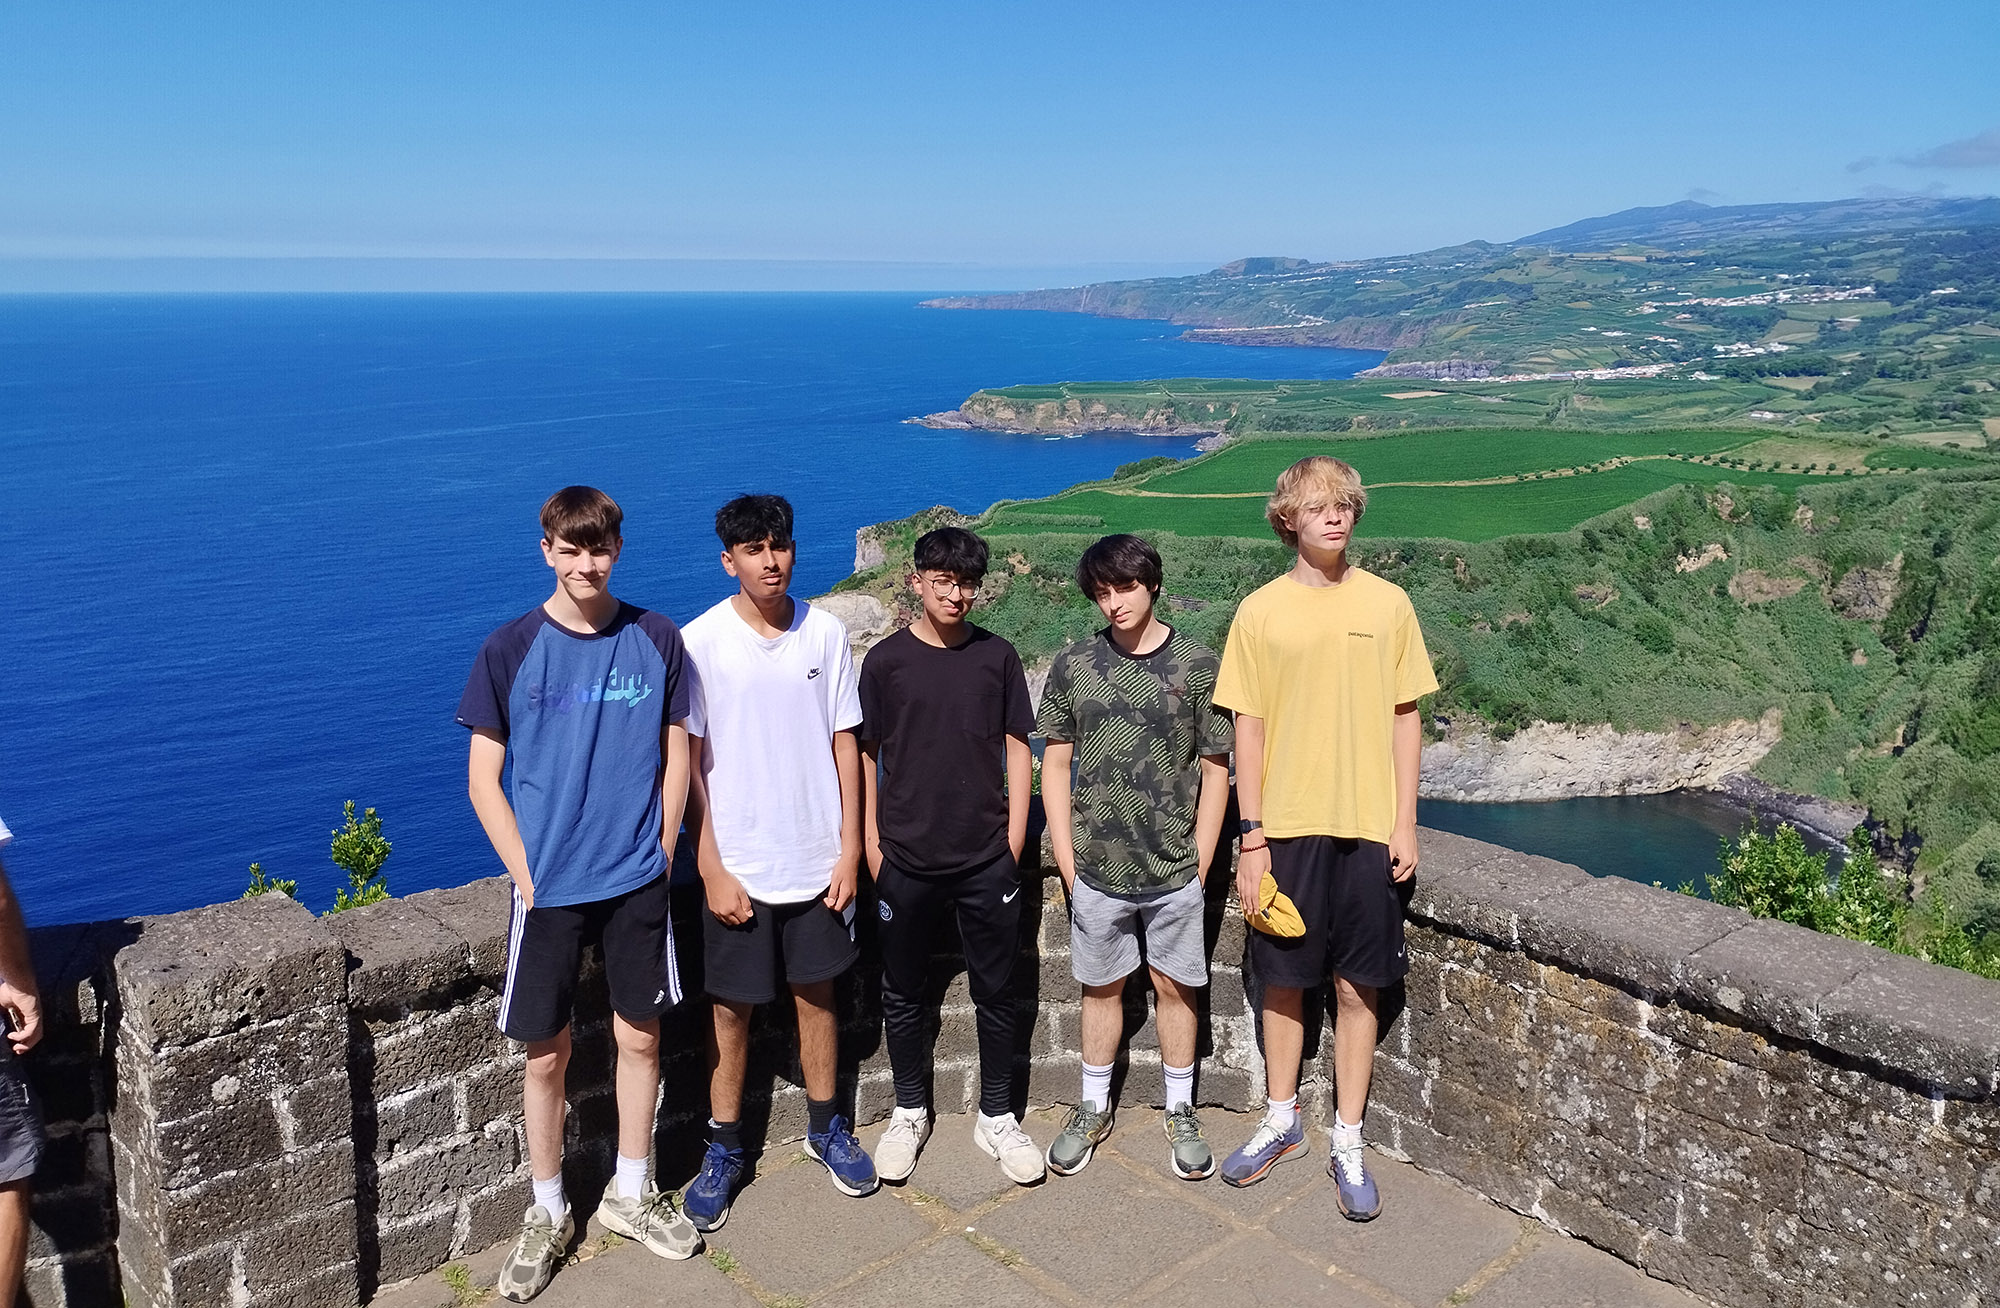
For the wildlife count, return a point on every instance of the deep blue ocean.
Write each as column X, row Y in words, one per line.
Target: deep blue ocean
column 257, row 540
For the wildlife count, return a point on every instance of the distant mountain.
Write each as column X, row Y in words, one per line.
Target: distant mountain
column 1686, row 224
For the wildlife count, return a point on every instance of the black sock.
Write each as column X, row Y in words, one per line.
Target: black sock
column 819, row 1116
column 727, row 1134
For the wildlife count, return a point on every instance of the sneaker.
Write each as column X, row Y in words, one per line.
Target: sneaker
column 1191, row 1156
column 651, row 1220
column 1083, row 1130
column 1002, row 1138
column 706, row 1199
column 1265, row 1149
column 540, row 1246
column 896, row 1152
column 844, row 1158
column 1359, row 1200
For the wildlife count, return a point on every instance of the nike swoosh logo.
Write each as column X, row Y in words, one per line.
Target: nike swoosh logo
column 1009, row 898
column 812, row 674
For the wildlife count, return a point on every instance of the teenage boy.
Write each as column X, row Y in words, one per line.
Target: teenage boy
column 1132, row 708
column 1324, row 667
column 945, row 714
column 589, row 694
column 775, row 808
column 21, row 1139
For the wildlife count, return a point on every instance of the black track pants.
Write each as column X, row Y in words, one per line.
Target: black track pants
column 988, row 902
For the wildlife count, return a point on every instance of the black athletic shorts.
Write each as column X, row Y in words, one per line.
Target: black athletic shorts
column 21, row 1138
column 1352, row 908
column 781, row 944
column 545, row 948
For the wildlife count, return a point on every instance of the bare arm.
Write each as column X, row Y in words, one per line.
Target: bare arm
column 20, row 996
column 1208, row 809
column 1406, row 749
column 496, row 815
column 727, row 898
column 1056, row 757
column 673, row 785
column 846, row 868
column 1020, row 778
column 871, row 833
column 1255, row 859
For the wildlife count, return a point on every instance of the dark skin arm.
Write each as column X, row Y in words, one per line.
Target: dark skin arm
column 20, row 997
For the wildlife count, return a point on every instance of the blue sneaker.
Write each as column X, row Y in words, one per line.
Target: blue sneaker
column 706, row 1199
column 1265, row 1149
column 1359, row 1201
column 844, row 1158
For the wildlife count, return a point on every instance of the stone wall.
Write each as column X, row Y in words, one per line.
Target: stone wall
column 252, row 1106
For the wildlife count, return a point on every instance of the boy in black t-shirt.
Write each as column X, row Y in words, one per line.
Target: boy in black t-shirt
column 945, row 713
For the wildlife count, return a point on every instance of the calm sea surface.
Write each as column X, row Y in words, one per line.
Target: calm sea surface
column 254, row 542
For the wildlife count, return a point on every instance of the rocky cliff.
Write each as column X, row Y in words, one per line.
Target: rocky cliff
column 989, row 412
column 1554, row 761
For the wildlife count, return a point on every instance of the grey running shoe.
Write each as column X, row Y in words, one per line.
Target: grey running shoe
column 536, row 1252
column 1191, row 1155
column 651, row 1220
column 1083, row 1130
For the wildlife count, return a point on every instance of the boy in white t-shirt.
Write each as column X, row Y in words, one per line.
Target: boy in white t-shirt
column 775, row 806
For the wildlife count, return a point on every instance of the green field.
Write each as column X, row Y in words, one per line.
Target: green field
column 1437, row 456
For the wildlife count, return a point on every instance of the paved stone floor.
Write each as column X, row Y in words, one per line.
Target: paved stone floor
column 1123, row 1231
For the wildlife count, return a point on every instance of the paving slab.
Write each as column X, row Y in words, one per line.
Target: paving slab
column 1255, row 1270
column 1143, row 1147
column 1574, row 1275
column 1431, row 1238
column 947, row 1271
column 794, row 1234
column 628, row 1274
column 1102, row 1233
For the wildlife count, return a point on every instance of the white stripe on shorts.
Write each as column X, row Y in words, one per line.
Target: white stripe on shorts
column 517, row 921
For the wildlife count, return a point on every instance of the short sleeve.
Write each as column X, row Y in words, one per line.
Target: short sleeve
column 666, row 638
column 1057, row 719
column 1215, row 730
column 484, row 703
column 5, row 834
column 1237, row 685
column 1017, row 711
column 846, row 687
column 1415, row 677
column 697, row 699
column 873, row 697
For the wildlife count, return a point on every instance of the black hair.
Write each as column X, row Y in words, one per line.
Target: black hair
column 954, row 550
column 748, row 519
column 1116, row 562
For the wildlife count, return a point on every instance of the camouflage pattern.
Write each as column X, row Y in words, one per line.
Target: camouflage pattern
column 1140, row 726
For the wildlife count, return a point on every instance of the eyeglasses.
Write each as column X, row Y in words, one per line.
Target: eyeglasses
column 945, row 587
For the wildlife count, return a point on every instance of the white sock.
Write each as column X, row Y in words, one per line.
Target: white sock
column 1282, row 1113
column 549, row 1194
column 630, row 1177
column 1346, row 1135
column 1180, row 1086
column 1097, row 1086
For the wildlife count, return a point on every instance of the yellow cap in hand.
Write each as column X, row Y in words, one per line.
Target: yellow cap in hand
column 1275, row 914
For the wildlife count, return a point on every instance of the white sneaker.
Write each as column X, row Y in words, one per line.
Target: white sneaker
column 896, row 1152
column 1002, row 1138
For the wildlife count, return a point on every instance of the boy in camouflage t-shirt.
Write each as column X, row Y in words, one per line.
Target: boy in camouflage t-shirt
column 1131, row 709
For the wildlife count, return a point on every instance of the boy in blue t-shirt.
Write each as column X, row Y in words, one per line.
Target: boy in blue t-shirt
column 590, row 695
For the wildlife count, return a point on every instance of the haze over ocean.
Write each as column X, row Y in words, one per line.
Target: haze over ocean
column 256, row 541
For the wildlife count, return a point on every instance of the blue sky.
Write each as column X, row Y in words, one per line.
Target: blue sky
column 1013, row 142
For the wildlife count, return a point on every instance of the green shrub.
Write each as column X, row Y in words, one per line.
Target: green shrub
column 261, row 885
column 359, row 850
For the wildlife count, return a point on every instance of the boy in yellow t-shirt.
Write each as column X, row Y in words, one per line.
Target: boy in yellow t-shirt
column 1324, row 667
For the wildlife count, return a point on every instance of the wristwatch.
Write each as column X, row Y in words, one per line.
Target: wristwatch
column 1247, row 825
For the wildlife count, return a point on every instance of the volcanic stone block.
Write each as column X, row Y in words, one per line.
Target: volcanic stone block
column 236, row 1067
column 399, row 955
column 283, row 1253
column 1485, row 891
column 414, row 1183
column 1934, row 1022
column 1774, row 974
column 1618, row 929
column 413, row 1247
column 194, row 975
column 479, row 914
column 439, row 1045
column 1681, row 1144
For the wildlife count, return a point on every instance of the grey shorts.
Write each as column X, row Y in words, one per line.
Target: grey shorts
column 20, row 1119
column 1105, row 930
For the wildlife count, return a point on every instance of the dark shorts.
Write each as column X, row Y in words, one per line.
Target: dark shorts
column 1352, row 908
column 545, row 950
column 782, row 944
column 20, row 1118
